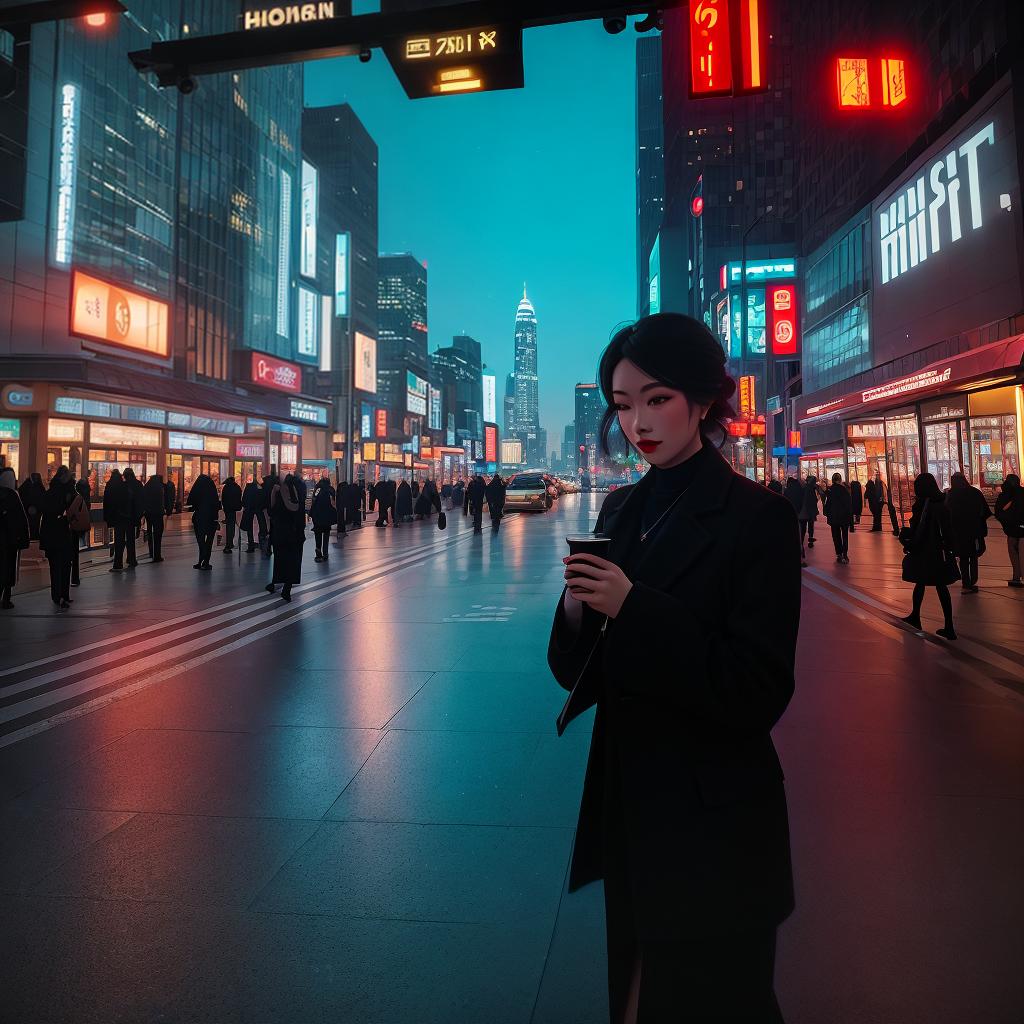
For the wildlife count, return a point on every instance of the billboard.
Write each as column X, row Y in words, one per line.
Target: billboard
column 415, row 394
column 782, row 329
column 435, row 409
column 341, row 269
column 108, row 313
column 67, row 171
column 380, row 423
column 276, row 374
column 948, row 228
column 308, row 344
column 490, row 442
column 366, row 363
column 307, row 248
column 284, row 251
column 490, row 392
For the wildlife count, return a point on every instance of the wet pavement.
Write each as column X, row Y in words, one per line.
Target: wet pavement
column 218, row 807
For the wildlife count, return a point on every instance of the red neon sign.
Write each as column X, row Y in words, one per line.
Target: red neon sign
column 757, row 429
column 737, row 428
column 894, row 82
column 270, row 372
column 781, row 302
column 710, row 48
column 794, row 439
column 381, row 423
column 697, row 206
column 751, row 76
column 871, row 83
column 490, row 444
column 747, row 396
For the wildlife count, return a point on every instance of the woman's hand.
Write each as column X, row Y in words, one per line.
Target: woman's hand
column 604, row 586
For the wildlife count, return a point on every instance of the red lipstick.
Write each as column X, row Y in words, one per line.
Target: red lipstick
column 647, row 446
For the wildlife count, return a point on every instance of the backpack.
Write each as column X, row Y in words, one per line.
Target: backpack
column 78, row 515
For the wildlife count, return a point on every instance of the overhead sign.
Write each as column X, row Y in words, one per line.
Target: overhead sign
column 10, row 430
column 276, row 374
column 915, row 382
column 757, row 270
column 365, row 363
column 782, row 320
column 105, row 312
column 292, row 14
column 18, row 397
column 727, row 48
column 480, row 59
column 307, row 412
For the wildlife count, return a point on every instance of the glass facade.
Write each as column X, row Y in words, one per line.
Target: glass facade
column 401, row 325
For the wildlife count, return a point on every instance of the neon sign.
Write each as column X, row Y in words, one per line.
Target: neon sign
column 781, row 303
column 284, row 246
column 341, row 274
column 67, row 165
column 860, row 80
column 293, row 14
column 310, row 190
column 915, row 382
column 726, row 52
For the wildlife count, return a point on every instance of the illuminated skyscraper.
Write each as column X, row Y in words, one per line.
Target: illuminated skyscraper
column 527, row 398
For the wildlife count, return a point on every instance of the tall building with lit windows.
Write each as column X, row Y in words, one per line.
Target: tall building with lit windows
column 526, row 406
column 402, row 363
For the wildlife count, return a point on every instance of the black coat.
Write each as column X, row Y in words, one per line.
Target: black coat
column 170, row 496
column 968, row 511
column 153, row 501
column 231, row 497
column 55, row 535
column 689, row 680
column 287, row 534
column 1010, row 510
column 858, row 497
column 33, row 494
column 14, row 535
column 403, row 499
column 930, row 536
column 809, row 509
column 839, row 506
column 323, row 511
column 252, row 497
column 794, row 494
column 117, row 503
column 202, row 499
column 873, row 497
column 135, row 490
column 475, row 492
column 495, row 491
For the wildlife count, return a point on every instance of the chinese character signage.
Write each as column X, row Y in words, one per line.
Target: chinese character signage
column 380, row 423
column 104, row 312
column 490, row 443
column 747, row 401
column 782, row 301
column 309, row 336
column 310, row 189
column 871, row 83
column 727, row 48
column 276, row 374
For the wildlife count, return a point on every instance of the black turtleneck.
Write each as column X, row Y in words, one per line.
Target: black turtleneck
column 668, row 484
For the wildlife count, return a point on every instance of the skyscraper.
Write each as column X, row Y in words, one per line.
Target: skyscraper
column 402, row 363
column 650, row 176
column 508, row 404
column 456, row 371
column 527, row 397
column 589, row 410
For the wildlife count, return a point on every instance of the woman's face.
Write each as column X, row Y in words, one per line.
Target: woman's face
column 662, row 423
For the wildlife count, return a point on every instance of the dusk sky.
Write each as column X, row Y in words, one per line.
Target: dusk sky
column 534, row 185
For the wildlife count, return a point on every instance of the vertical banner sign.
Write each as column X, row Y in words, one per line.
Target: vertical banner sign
column 435, row 408
column 490, row 398
column 284, row 251
column 710, row 49
column 751, row 77
column 747, row 407
column 310, row 188
column 341, row 274
column 365, row 363
column 325, row 332
column 381, row 423
column 308, row 334
column 794, row 439
column 782, row 320
column 490, row 443
column 67, row 167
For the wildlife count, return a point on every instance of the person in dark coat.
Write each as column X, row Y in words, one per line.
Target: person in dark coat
column 475, row 494
column 466, row 500
column 968, row 512
column 775, row 486
column 135, row 490
column 403, row 503
column 839, row 516
column 288, row 534
column 270, row 481
column 446, row 495
column 117, row 514
column 251, row 498
column 371, row 496
column 83, row 489
column 415, row 487
column 458, row 495
column 205, row 505
column 927, row 542
column 33, row 493
column 353, row 501
column 14, row 534
column 324, row 513
column 385, row 494
column 170, row 497
column 154, row 508
column 1010, row 513
column 808, row 513
column 683, row 812
column 875, row 503
column 56, row 536
column 857, row 496
column 495, row 491
column 231, row 502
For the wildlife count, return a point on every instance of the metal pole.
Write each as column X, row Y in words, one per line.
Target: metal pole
column 743, row 338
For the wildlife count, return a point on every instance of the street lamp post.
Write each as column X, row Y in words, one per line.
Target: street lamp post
column 743, row 332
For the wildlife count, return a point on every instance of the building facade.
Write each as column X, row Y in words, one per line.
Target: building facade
column 456, row 369
column 650, row 175
column 589, row 411
column 402, row 333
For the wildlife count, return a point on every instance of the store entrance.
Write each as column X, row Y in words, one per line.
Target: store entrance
column 946, row 450
column 247, row 471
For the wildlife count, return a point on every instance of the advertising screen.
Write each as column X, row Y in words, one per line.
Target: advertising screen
column 307, row 249
column 490, row 389
column 782, row 317
column 274, row 373
column 341, row 265
column 308, row 344
column 380, row 423
column 366, row 363
column 435, row 408
column 490, row 443
column 105, row 312
column 948, row 228
column 415, row 394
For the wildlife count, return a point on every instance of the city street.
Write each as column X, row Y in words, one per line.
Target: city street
column 219, row 807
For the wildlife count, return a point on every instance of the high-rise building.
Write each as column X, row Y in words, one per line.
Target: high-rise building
column 342, row 157
column 650, row 176
column 508, row 404
column 456, row 370
column 569, row 449
column 589, row 410
column 527, row 397
column 402, row 362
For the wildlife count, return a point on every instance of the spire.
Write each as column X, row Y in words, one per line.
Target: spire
column 524, row 291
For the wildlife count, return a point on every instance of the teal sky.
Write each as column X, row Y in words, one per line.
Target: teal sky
column 534, row 185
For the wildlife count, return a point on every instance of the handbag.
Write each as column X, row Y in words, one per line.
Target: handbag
column 442, row 521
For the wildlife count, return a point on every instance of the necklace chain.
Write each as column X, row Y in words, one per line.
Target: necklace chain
column 650, row 529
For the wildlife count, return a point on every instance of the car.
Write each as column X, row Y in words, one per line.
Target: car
column 528, row 492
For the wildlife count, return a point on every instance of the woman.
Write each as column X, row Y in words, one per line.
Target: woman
column 839, row 516
column 117, row 514
column 33, row 494
column 14, row 534
column 683, row 812
column 205, row 504
column 928, row 542
column 84, row 491
column 495, row 491
column 403, row 503
column 809, row 510
column 56, row 537
column 287, row 535
column 324, row 513
column 968, row 511
column 873, row 500
column 857, row 497
column 154, row 502
column 1010, row 513
column 252, row 497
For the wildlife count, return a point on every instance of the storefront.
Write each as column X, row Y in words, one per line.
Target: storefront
column 821, row 465
column 10, row 445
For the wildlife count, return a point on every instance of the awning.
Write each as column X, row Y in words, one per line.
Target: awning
column 997, row 363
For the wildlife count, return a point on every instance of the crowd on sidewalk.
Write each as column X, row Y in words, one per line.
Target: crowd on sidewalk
column 273, row 519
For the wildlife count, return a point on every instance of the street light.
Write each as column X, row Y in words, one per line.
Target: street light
column 743, row 328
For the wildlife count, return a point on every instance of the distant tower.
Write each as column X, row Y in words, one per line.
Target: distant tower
column 527, row 398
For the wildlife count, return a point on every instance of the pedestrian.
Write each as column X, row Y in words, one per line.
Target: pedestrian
column 55, row 535
column 415, row 490
column 385, row 495
column 495, row 492
column 251, row 498
column 475, row 494
column 775, row 486
column 32, row 493
column 875, row 503
column 458, row 489
column 886, row 492
column 324, row 513
column 135, row 490
column 446, row 496
column 809, row 510
column 353, row 500
column 231, row 502
column 203, row 500
column 683, row 813
column 117, row 514
column 403, row 503
column 170, row 497
column 857, row 496
column 154, row 507
column 930, row 560
column 839, row 516
column 270, row 481
column 1010, row 513
column 84, row 491
column 14, row 534
column 371, row 496
column 968, row 512
column 288, row 534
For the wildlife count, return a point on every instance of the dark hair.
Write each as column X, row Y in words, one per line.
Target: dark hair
column 926, row 486
column 958, row 480
column 837, row 478
column 680, row 353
